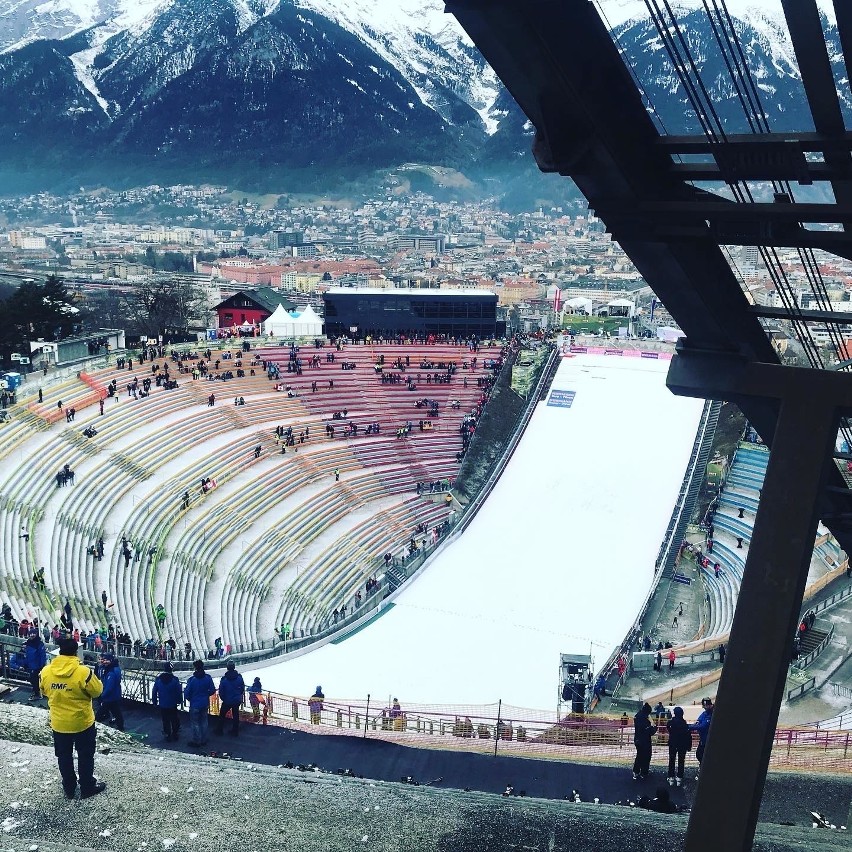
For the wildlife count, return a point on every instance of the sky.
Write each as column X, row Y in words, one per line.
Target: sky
column 559, row 559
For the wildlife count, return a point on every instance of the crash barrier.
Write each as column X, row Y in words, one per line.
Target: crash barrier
column 501, row 728
column 505, row 729
column 523, row 732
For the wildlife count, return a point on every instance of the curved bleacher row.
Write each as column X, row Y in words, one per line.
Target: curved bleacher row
column 279, row 539
column 733, row 522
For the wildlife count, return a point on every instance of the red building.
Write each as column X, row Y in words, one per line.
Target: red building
column 251, row 306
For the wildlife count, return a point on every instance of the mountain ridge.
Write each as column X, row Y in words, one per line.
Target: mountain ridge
column 206, row 88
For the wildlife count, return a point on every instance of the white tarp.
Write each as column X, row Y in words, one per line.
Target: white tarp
column 558, row 560
column 292, row 324
column 668, row 334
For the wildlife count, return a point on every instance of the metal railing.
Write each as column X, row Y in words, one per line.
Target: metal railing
column 805, row 661
column 515, row 731
column 800, row 690
column 677, row 525
column 841, row 691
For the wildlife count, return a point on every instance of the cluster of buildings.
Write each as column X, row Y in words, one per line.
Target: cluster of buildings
column 541, row 265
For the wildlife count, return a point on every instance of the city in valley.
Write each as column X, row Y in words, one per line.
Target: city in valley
column 110, row 248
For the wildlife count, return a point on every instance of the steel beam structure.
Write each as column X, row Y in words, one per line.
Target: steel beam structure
column 803, row 21
column 839, row 317
column 750, row 690
column 560, row 64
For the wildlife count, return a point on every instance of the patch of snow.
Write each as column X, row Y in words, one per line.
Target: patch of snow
column 394, row 30
column 616, row 12
column 247, row 17
column 9, row 824
column 82, row 63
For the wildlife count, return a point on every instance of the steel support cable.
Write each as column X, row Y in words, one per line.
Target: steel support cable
column 741, row 96
column 749, row 97
column 679, row 66
column 824, row 301
column 742, row 193
column 642, row 90
column 806, row 256
column 782, row 287
column 694, row 67
column 762, row 115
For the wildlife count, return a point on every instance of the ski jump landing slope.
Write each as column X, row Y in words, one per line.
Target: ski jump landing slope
column 559, row 558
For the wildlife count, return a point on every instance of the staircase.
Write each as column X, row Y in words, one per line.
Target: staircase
column 811, row 641
column 394, row 577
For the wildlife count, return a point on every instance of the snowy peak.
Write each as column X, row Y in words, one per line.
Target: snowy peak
column 618, row 12
column 267, row 85
column 24, row 22
column 426, row 44
column 765, row 41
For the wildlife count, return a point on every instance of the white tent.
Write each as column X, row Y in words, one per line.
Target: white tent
column 669, row 334
column 309, row 323
column 292, row 324
column 280, row 323
column 618, row 308
column 579, row 305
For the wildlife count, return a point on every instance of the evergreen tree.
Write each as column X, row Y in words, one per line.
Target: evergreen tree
column 37, row 310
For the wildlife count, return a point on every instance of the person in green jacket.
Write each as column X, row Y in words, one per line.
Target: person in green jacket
column 69, row 687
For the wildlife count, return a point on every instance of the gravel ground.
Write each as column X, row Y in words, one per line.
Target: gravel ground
column 164, row 800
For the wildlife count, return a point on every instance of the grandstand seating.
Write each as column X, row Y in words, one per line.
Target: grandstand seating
column 741, row 492
column 278, row 539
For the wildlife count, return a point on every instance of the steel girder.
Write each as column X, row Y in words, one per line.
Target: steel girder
column 560, row 64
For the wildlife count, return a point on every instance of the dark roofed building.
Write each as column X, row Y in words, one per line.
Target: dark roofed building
column 251, row 306
column 365, row 311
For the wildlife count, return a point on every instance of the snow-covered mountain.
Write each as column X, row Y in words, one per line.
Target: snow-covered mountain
column 418, row 38
column 196, row 87
column 26, row 21
column 618, row 12
column 765, row 41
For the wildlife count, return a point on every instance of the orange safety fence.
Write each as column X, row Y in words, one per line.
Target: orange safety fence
column 522, row 732
column 53, row 415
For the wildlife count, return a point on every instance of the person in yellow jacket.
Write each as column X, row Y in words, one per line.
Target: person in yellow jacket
column 69, row 687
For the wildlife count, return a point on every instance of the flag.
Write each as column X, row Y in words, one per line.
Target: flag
column 557, row 301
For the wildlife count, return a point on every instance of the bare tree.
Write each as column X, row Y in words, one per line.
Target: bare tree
column 166, row 305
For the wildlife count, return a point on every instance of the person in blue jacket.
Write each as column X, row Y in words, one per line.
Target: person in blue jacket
column 166, row 695
column 111, row 696
column 702, row 726
column 36, row 661
column 197, row 693
column 232, row 689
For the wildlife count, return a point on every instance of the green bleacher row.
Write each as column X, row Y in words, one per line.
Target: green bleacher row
column 139, row 455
